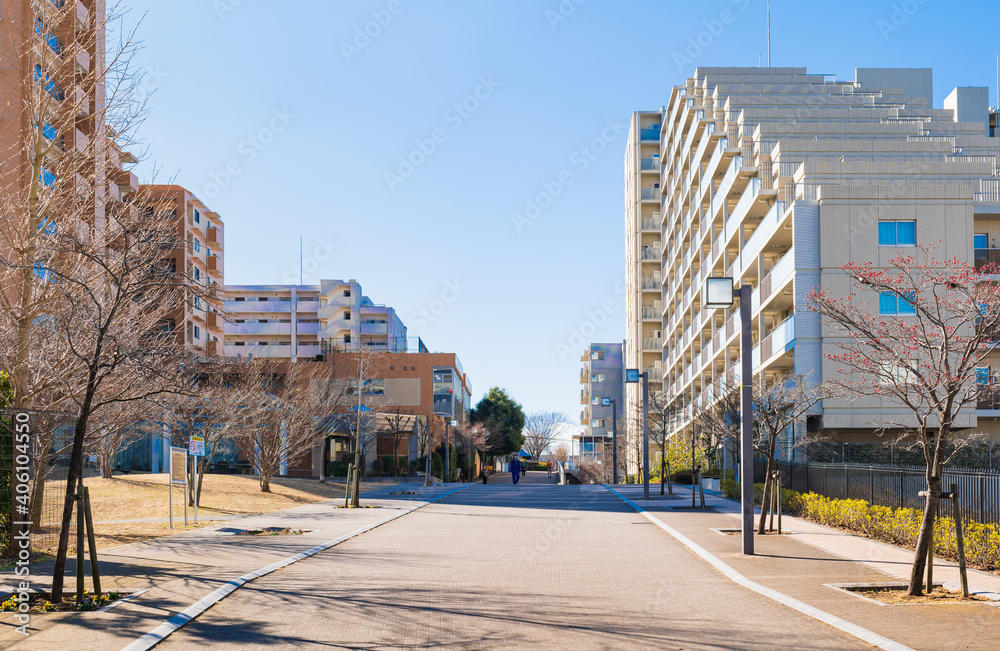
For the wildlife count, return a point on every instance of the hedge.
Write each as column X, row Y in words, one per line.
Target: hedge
column 896, row 526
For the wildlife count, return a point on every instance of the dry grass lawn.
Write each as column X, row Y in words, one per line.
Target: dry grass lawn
column 121, row 504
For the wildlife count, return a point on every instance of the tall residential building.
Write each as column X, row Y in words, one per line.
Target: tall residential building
column 199, row 323
column 643, row 254
column 292, row 322
column 52, row 62
column 778, row 178
column 603, row 378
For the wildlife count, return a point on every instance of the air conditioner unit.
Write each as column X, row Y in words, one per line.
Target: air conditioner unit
column 657, row 334
column 656, row 216
column 656, row 304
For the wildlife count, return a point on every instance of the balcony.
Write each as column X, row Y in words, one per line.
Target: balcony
column 215, row 322
column 652, row 133
column 213, row 348
column 650, row 312
column 309, row 350
column 652, row 343
column 650, row 225
column 258, row 306
column 260, row 351
column 82, row 61
column 307, row 328
column 215, row 237
column 258, row 328
column 650, row 253
column 650, row 194
column 334, row 313
column 214, row 264
column 307, row 306
column 651, row 283
column 987, row 257
column 649, row 164
column 374, row 328
column 779, row 341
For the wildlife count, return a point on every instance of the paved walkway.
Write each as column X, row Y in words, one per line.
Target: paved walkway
column 500, row 566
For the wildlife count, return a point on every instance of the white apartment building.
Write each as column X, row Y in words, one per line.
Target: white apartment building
column 292, row 322
column 778, row 178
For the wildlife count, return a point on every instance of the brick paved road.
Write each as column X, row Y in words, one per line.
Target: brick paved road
column 504, row 566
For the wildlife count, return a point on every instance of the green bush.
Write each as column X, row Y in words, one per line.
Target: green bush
column 377, row 467
column 729, row 488
column 437, row 465
column 336, row 469
column 684, row 477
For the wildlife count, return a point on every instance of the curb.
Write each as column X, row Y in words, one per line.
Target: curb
column 843, row 625
column 164, row 630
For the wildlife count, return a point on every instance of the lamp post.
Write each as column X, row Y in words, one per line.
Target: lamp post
column 722, row 293
column 447, row 448
column 614, row 436
column 632, row 375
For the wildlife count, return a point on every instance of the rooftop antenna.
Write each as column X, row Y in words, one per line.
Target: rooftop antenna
column 300, row 261
column 998, row 82
column 768, row 33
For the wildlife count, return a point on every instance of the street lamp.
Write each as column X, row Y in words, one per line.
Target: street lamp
column 447, row 448
column 721, row 293
column 614, row 436
column 632, row 376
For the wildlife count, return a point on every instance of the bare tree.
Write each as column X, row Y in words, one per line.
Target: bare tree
column 561, row 453
column 114, row 428
column 541, row 429
column 663, row 414
column 923, row 361
column 396, row 427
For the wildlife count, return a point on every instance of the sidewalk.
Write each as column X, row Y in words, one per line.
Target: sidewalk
column 179, row 570
column 804, row 563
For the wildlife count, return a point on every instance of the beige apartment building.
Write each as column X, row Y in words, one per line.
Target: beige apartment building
column 199, row 323
column 293, row 322
column 778, row 178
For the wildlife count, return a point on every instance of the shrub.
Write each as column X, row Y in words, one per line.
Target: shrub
column 684, row 477
column 729, row 488
column 377, row 467
column 336, row 469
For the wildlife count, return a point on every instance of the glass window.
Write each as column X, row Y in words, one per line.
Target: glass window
column 197, row 245
column 891, row 304
column 980, row 241
column 897, row 233
column 905, row 304
column 887, row 303
column 197, row 217
column 983, row 375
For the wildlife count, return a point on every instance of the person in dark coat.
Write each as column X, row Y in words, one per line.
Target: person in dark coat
column 515, row 469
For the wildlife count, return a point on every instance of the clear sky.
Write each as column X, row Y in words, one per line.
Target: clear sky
column 400, row 139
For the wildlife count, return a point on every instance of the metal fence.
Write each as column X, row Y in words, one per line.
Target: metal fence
column 896, row 487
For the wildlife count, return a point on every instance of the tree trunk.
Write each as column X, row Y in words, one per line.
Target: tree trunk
column 73, row 477
column 38, row 490
column 925, row 538
column 768, row 487
column 265, row 483
column 663, row 470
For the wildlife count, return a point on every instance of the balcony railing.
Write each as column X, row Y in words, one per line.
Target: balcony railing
column 652, row 343
column 258, row 306
column 649, row 164
column 650, row 312
column 648, row 253
column 650, row 225
column 652, row 133
column 651, row 283
column 650, row 194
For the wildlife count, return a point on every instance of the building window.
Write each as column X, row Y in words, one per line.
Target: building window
column 197, row 245
column 982, row 375
column 597, row 377
column 240, row 343
column 596, row 400
column 347, row 339
column 197, row 274
column 597, row 422
column 897, row 233
column 347, row 315
column 892, row 304
column 347, row 293
column 240, row 299
column 241, row 320
column 197, row 303
column 980, row 241
column 597, row 355
column 197, row 216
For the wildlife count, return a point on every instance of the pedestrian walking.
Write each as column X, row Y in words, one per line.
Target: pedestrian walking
column 515, row 469
column 548, row 466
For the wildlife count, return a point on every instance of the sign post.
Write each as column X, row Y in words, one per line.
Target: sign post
column 178, row 475
column 197, row 449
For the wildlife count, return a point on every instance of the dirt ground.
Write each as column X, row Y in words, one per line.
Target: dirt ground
column 123, row 506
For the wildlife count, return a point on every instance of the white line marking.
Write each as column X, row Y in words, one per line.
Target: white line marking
column 840, row 624
column 161, row 632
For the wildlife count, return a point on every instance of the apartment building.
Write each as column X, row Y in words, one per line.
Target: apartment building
column 603, row 380
column 643, row 348
column 778, row 178
column 198, row 323
column 52, row 60
column 292, row 322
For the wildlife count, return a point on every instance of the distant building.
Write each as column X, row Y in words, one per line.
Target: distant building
column 291, row 322
column 603, row 379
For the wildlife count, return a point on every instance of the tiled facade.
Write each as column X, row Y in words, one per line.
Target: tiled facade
column 778, row 178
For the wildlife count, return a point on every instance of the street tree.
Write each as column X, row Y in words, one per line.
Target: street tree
column 922, row 361
column 664, row 411
column 504, row 418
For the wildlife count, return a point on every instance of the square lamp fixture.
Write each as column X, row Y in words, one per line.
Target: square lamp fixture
column 718, row 293
column 605, row 402
column 454, row 422
column 632, row 375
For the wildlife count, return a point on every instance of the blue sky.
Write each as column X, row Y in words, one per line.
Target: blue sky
column 288, row 123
